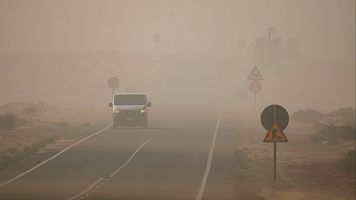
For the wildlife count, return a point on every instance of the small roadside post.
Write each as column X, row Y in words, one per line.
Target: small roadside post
column 156, row 39
column 113, row 84
column 255, row 85
column 275, row 119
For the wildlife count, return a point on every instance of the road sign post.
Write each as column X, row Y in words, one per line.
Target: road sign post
column 255, row 100
column 113, row 83
column 274, row 162
column 156, row 39
column 275, row 119
column 255, row 85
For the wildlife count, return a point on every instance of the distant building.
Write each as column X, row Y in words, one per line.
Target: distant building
column 268, row 48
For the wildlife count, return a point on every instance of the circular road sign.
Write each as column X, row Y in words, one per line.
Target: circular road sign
column 113, row 83
column 255, row 86
column 274, row 114
column 156, row 38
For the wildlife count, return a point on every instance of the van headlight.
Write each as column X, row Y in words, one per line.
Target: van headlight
column 116, row 111
column 143, row 111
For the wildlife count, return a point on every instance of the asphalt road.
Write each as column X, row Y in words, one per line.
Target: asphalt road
column 186, row 154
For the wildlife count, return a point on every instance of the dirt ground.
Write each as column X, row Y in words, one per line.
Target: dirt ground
column 305, row 170
column 56, row 127
column 313, row 170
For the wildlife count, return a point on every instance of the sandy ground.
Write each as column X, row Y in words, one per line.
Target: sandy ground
column 305, row 170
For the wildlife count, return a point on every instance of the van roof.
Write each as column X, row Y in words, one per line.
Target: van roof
column 130, row 93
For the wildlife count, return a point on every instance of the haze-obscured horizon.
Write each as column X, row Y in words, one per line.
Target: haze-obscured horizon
column 325, row 27
column 62, row 52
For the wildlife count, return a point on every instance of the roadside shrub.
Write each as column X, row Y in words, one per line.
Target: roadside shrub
column 62, row 124
column 31, row 110
column 348, row 161
column 307, row 116
column 332, row 134
column 346, row 133
column 22, row 122
column 346, row 115
column 327, row 134
column 7, row 122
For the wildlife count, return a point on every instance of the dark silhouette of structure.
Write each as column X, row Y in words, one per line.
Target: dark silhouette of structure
column 269, row 48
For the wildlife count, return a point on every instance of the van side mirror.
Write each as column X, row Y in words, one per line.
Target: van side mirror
column 149, row 104
column 110, row 104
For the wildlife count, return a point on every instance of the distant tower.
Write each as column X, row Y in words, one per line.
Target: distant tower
column 268, row 47
column 270, row 32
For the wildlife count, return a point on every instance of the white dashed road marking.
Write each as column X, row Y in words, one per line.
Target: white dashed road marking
column 86, row 190
column 101, row 181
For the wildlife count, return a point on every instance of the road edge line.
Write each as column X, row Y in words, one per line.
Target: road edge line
column 53, row 157
column 208, row 164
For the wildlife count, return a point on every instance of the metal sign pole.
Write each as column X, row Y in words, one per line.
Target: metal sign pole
column 255, row 101
column 113, row 84
column 274, row 119
column 275, row 150
column 275, row 162
column 255, row 86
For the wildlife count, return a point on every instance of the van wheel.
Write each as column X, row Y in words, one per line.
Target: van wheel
column 114, row 126
column 145, row 123
column 115, row 122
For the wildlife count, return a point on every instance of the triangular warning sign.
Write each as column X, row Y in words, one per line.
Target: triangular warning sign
column 255, row 75
column 275, row 134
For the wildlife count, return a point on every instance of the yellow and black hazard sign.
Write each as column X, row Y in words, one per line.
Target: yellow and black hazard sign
column 275, row 134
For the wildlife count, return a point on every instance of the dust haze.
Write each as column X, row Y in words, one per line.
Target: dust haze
column 62, row 52
column 192, row 59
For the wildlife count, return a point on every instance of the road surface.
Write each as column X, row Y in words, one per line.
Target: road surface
column 188, row 153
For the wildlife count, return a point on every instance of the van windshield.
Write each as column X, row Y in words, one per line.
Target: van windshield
column 130, row 99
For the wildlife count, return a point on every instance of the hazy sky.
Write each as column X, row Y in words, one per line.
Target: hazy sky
column 326, row 27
